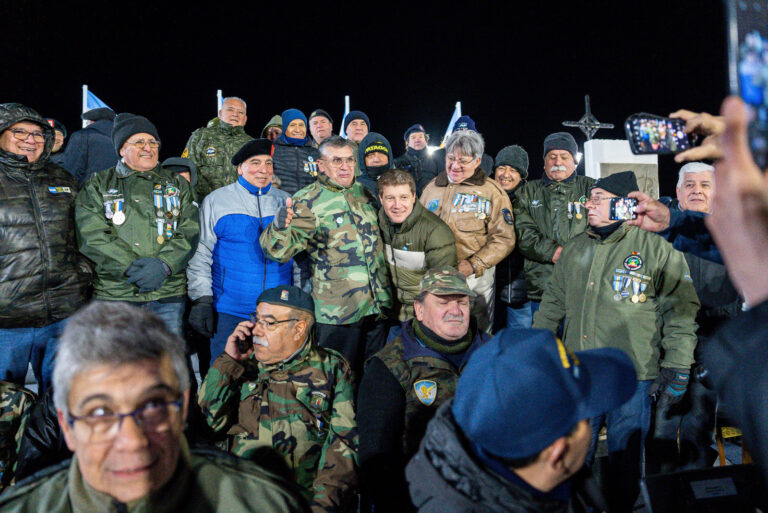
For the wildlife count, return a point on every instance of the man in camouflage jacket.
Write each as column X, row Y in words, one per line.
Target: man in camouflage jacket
column 212, row 147
column 282, row 391
column 334, row 220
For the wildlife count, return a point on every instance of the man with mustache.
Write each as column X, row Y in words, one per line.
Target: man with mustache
column 273, row 387
column 405, row 382
column 549, row 212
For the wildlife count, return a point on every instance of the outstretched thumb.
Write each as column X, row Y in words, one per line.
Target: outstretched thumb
column 288, row 202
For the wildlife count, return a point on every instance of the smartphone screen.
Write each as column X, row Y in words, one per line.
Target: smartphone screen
column 654, row 134
column 622, row 209
column 748, row 67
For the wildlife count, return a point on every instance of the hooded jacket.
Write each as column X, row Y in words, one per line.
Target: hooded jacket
column 368, row 176
column 422, row 166
column 90, row 150
column 43, row 278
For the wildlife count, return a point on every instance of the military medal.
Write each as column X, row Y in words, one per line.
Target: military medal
column 160, row 239
column 108, row 210
column 175, row 205
column 617, row 287
column 579, row 215
column 625, row 285
column 642, row 297
column 635, row 289
column 481, row 215
column 119, row 217
column 570, row 210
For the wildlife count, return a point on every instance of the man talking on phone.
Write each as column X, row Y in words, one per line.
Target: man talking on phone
column 620, row 286
column 272, row 387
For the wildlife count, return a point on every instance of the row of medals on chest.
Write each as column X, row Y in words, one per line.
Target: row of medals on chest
column 166, row 211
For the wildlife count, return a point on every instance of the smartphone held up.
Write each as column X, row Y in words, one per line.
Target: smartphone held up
column 650, row 134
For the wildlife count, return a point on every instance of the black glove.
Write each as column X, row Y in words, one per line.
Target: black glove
column 147, row 273
column 201, row 316
column 670, row 386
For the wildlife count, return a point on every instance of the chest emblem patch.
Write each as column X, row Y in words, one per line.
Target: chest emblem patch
column 210, row 151
column 633, row 262
column 507, row 216
column 432, row 205
column 318, row 399
column 535, row 203
column 59, row 190
column 426, row 391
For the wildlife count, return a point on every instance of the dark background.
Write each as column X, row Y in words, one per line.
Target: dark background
column 519, row 68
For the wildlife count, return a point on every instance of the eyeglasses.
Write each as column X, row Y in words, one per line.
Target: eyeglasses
column 596, row 200
column 103, row 426
column 338, row 161
column 451, row 159
column 268, row 325
column 21, row 135
column 141, row 143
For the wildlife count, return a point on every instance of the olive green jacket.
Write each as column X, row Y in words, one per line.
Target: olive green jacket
column 204, row 482
column 542, row 223
column 112, row 247
column 422, row 242
column 211, row 148
column 632, row 291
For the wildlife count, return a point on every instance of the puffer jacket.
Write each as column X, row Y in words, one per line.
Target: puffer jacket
column 296, row 166
column 510, row 277
column 422, row 166
column 43, row 278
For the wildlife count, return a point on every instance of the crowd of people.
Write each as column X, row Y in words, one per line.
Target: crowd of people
column 427, row 332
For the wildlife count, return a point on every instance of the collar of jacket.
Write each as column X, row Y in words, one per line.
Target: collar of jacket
column 165, row 500
column 478, row 178
column 123, row 170
column 548, row 181
column 511, row 194
column 422, row 153
column 256, row 191
column 329, row 184
column 405, row 226
column 413, row 348
column 295, row 360
column 229, row 129
column 617, row 235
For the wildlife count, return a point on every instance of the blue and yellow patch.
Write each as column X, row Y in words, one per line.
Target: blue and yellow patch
column 426, row 391
column 210, row 151
column 59, row 190
column 507, row 216
column 432, row 205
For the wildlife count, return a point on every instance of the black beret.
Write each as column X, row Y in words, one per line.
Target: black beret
column 127, row 124
column 292, row 297
column 620, row 184
column 251, row 148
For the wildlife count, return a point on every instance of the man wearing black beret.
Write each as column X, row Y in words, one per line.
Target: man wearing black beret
column 229, row 269
column 618, row 286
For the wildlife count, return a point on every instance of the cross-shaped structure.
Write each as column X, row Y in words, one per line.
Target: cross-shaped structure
column 588, row 123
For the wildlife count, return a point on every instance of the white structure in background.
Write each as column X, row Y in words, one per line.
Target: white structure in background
column 604, row 157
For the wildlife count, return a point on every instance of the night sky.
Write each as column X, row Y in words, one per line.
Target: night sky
column 519, row 68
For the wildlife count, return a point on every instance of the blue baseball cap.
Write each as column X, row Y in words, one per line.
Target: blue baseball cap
column 524, row 389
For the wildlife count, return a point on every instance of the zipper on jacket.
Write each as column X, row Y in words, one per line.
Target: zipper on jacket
column 261, row 230
column 42, row 235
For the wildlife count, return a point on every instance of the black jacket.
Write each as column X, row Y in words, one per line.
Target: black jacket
column 369, row 177
column 446, row 477
column 43, row 278
column 423, row 166
column 90, row 150
column 42, row 443
column 296, row 166
column 510, row 276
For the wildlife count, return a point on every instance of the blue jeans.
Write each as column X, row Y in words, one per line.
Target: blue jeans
column 520, row 317
column 627, row 427
column 19, row 346
column 172, row 314
column 225, row 325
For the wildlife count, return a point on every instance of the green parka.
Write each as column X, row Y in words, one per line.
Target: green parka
column 595, row 284
column 542, row 224
column 112, row 247
column 422, row 242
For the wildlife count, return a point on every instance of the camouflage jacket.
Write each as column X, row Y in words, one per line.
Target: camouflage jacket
column 211, row 148
column 338, row 228
column 427, row 377
column 112, row 246
column 14, row 403
column 303, row 408
column 205, row 481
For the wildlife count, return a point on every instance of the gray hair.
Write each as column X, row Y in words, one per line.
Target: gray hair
column 467, row 142
column 113, row 333
column 335, row 141
column 225, row 100
column 693, row 167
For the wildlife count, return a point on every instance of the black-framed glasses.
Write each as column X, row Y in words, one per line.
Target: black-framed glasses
column 21, row 135
column 154, row 416
column 268, row 325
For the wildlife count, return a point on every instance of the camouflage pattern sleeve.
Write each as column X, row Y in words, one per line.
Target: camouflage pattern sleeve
column 15, row 401
column 219, row 395
column 337, row 470
column 282, row 245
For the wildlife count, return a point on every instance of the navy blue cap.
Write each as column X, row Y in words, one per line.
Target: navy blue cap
column 413, row 129
column 523, row 390
column 464, row 123
column 356, row 114
column 285, row 295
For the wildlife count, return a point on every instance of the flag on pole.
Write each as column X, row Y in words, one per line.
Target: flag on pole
column 219, row 100
column 343, row 132
column 90, row 102
column 456, row 115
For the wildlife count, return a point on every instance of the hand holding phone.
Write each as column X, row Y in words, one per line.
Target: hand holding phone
column 622, row 209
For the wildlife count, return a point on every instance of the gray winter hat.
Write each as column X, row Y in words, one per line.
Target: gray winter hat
column 561, row 141
column 514, row 156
